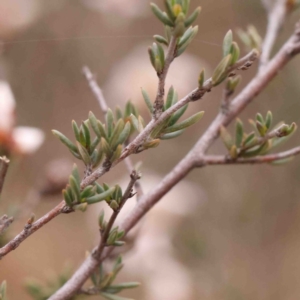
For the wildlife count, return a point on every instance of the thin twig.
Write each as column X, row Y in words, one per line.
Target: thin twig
column 4, row 163
column 276, row 17
column 137, row 186
column 95, row 88
column 26, row 232
column 224, row 160
column 134, row 176
column 159, row 100
column 256, row 85
column 79, row 277
column 194, row 95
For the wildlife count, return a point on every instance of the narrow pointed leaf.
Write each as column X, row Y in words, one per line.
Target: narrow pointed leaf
column 171, row 135
column 176, row 116
column 239, row 132
column 186, row 123
column 226, row 137
column 227, row 42
column 161, row 16
column 109, row 122
column 84, row 154
column 100, row 197
column 65, row 141
column 161, row 39
column 219, row 73
column 94, row 124
column 75, row 130
column 147, row 101
column 192, row 18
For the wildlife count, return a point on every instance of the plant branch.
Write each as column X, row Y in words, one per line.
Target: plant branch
column 29, row 230
column 4, row 163
column 159, row 100
column 224, row 160
column 194, row 95
column 276, row 17
column 95, row 89
column 93, row 260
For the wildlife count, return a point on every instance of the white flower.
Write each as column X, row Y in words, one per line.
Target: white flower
column 23, row 140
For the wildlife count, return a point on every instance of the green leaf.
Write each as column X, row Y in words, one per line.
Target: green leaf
column 67, row 198
column 186, row 39
column 171, row 135
column 119, row 114
column 169, row 10
column 84, row 154
column 87, row 192
column 239, row 132
column 261, row 128
column 75, row 188
column 177, row 115
column 102, row 130
column 226, row 138
column 161, row 39
column 227, row 42
column 233, row 82
column 134, row 122
column 94, row 144
column 170, row 97
column 109, row 122
column 117, row 153
column 219, row 73
column 233, row 152
column 282, row 161
column 255, row 150
column 185, row 6
column 116, row 133
column 161, row 54
column 125, row 285
column 94, row 124
column 235, row 52
column 100, row 197
column 97, row 157
column 260, row 118
column 249, row 139
column 160, row 15
column 269, row 119
column 124, row 134
column 65, row 141
column 87, row 135
column 152, row 56
column 201, row 79
column 147, row 101
column 186, row 36
column 105, row 147
column 186, row 123
column 76, row 175
column 151, row 144
column 75, row 130
column 192, row 18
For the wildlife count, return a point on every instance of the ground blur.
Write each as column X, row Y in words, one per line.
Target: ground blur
column 237, row 234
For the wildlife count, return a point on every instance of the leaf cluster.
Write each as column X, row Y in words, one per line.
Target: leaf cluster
column 258, row 142
column 170, row 128
column 103, row 282
column 80, row 199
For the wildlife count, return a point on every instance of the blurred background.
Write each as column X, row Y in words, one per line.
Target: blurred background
column 225, row 232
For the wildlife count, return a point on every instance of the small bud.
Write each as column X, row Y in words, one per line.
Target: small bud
column 31, row 219
column 233, row 152
column 114, row 205
column 201, row 79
